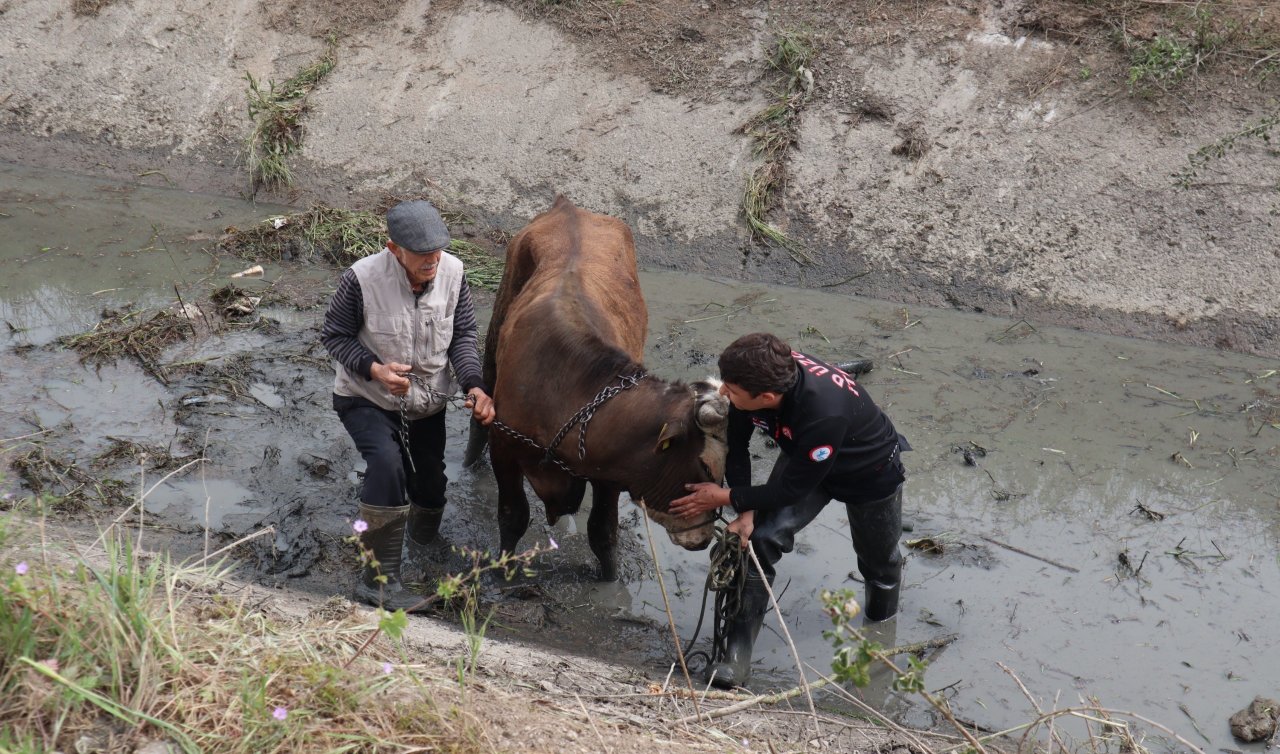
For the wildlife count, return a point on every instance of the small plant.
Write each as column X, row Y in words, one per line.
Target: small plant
column 277, row 113
column 1160, row 62
column 1200, row 159
column 475, row 630
column 855, row 654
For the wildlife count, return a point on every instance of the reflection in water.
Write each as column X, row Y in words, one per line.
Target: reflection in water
column 1113, row 533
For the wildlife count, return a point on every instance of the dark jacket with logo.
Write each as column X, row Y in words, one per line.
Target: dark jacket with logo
column 835, row 437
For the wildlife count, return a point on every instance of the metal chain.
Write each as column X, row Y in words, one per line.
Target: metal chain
column 582, row 416
column 421, row 381
column 585, row 413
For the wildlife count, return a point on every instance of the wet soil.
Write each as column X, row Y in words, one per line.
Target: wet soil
column 1097, row 514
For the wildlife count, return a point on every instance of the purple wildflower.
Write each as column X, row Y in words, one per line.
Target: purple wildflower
column 386, row 668
column 360, row 525
column 280, row 713
column 554, row 546
column 21, row 568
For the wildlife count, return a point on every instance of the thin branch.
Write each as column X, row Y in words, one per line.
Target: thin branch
column 666, row 602
column 804, row 682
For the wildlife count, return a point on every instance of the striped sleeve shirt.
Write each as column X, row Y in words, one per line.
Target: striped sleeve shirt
column 345, row 316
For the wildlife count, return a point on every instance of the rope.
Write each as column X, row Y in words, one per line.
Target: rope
column 726, row 577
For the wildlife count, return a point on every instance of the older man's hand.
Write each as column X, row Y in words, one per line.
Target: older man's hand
column 702, row 497
column 393, row 375
column 481, row 406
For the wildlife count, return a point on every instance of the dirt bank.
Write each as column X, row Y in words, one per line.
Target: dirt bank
column 1038, row 184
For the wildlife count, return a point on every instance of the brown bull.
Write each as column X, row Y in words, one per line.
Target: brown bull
column 563, row 356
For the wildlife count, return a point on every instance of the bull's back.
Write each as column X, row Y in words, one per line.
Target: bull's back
column 572, row 272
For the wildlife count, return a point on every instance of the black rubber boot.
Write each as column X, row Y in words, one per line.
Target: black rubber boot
column 882, row 601
column 734, row 669
column 384, row 539
column 424, row 524
column 876, row 527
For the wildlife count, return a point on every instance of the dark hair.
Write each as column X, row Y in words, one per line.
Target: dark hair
column 759, row 363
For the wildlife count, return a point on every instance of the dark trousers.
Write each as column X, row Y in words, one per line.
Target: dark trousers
column 388, row 478
column 875, row 523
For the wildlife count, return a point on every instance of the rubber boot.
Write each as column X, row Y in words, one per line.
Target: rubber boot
column 882, row 601
column 384, row 539
column 734, row 669
column 876, row 528
column 424, row 524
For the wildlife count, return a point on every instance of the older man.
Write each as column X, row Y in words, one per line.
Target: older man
column 397, row 322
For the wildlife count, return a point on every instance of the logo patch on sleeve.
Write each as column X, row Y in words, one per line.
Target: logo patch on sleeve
column 820, row 453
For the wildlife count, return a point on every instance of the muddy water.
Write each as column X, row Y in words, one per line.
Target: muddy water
column 1043, row 459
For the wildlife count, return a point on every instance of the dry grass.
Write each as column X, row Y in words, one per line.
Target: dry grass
column 774, row 131
column 114, row 651
column 48, row 473
column 89, row 7
column 137, row 333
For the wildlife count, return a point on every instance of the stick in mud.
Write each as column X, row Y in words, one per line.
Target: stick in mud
column 1021, row 551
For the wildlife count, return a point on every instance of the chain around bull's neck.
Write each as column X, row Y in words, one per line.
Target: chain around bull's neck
column 583, row 415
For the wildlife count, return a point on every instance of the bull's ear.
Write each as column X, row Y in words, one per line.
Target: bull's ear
column 670, row 431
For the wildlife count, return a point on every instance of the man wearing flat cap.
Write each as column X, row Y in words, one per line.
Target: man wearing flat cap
column 398, row 321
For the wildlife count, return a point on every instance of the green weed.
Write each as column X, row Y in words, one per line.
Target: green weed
column 1163, row 61
column 276, row 112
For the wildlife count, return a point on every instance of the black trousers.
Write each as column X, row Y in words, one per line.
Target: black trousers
column 875, row 524
column 389, row 480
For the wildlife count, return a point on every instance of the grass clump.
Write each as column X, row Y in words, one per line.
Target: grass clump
column 1161, row 62
column 277, row 113
column 340, row 237
column 774, row 131
column 89, row 7
column 116, row 649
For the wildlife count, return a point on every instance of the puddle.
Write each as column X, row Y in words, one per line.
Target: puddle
column 203, row 503
column 1109, row 509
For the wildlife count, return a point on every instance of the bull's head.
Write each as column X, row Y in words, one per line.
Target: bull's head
column 690, row 447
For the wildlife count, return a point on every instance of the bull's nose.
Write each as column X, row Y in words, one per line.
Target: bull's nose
column 697, row 546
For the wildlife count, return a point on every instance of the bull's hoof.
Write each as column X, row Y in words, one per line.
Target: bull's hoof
column 608, row 572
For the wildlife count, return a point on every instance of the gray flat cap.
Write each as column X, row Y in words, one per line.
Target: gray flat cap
column 416, row 226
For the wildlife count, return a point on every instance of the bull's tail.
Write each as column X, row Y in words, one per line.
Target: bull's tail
column 477, row 439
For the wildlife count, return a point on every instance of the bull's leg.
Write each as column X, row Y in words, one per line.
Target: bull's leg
column 602, row 528
column 513, row 505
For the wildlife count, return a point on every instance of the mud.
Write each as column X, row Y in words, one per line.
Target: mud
column 1106, row 507
column 1040, row 185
